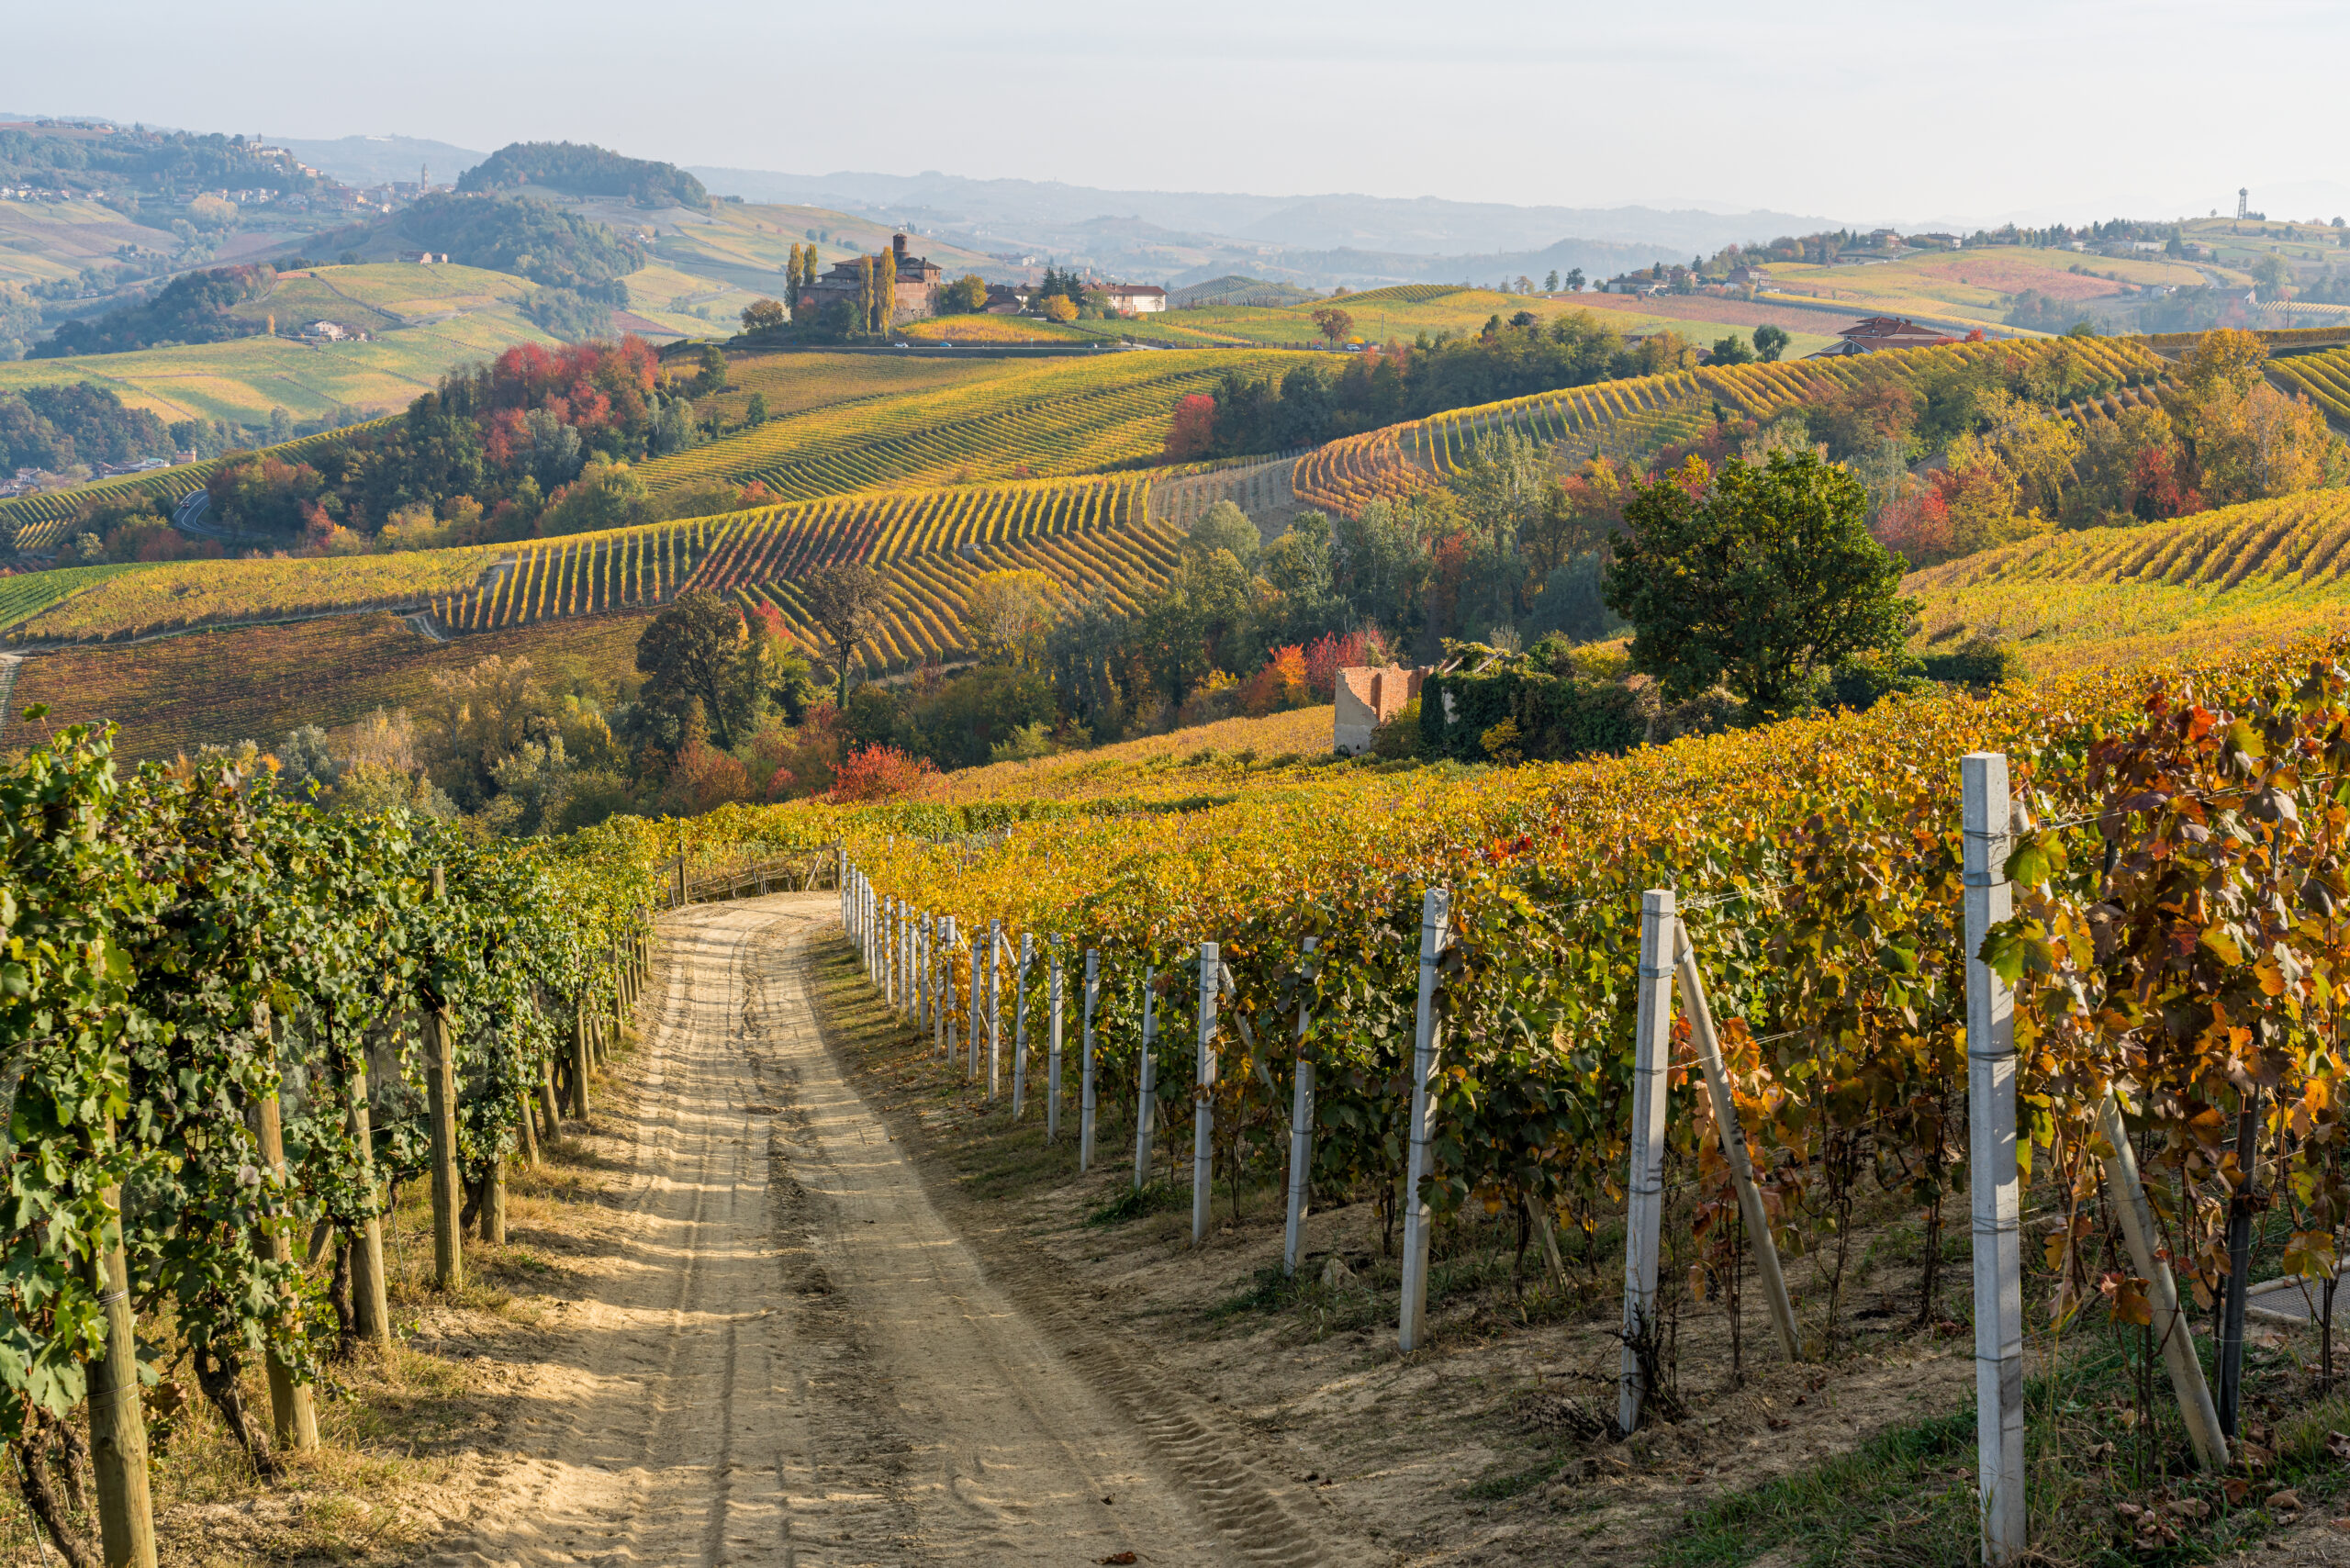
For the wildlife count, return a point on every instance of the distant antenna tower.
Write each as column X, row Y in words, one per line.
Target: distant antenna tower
column 424, row 176
column 2243, row 202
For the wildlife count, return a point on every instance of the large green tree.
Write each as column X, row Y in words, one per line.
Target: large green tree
column 1764, row 579
column 698, row 650
column 846, row 601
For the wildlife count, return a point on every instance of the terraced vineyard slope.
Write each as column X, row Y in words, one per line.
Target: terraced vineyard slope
column 2243, row 575
column 1260, row 487
column 2324, row 377
column 1086, row 534
column 1627, row 419
column 35, row 523
column 1763, row 392
column 1052, row 416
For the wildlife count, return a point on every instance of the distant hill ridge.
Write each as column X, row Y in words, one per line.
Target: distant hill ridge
column 583, row 169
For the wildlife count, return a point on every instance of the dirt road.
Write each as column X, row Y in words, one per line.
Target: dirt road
column 800, row 1361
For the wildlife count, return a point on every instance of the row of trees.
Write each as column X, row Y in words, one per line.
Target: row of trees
column 2014, row 464
column 537, row 440
column 56, row 428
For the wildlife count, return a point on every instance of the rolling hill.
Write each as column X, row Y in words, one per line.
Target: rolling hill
column 859, row 469
column 422, row 322
column 2261, row 573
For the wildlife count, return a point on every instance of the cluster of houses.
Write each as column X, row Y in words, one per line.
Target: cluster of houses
column 33, row 481
column 918, row 285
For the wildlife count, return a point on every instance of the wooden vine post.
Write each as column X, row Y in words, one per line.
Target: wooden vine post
column 1202, row 1106
column 1411, row 1324
column 293, row 1414
column 441, row 1082
column 1301, row 1134
column 579, row 1056
column 1987, row 818
column 1053, row 1040
column 118, row 1421
column 623, row 1003
column 1643, row 1224
column 1085, row 1102
column 1146, row 1094
column 2173, row 1331
column 1734, row 1152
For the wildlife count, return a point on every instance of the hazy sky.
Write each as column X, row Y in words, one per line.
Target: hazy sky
column 1880, row 110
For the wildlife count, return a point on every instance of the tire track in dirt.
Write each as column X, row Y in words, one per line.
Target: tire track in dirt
column 796, row 1360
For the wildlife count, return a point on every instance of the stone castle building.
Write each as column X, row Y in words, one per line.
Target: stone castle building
column 918, row 282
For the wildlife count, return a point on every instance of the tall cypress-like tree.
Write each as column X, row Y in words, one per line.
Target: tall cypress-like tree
column 865, row 289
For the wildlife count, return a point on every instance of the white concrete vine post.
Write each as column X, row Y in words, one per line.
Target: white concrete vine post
column 1085, row 1104
column 1020, row 1025
column 946, row 990
column 1301, row 1133
column 1147, row 1095
column 1053, row 1042
column 1644, row 1181
column 995, row 1008
column 971, row 1045
column 1410, row 1332
column 1987, row 817
column 1202, row 1108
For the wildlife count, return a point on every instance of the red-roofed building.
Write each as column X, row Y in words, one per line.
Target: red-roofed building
column 1885, row 332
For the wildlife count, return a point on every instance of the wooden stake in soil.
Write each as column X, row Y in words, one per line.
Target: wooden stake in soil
column 1734, row 1151
column 579, row 1061
column 528, row 1126
column 1147, row 1100
column 1202, row 1106
column 1085, row 1106
column 448, row 1197
column 117, row 1423
column 293, row 1414
column 2231, row 1300
column 1020, row 1025
column 1053, row 1040
column 1988, row 821
column 2172, row 1329
column 550, row 1113
column 1301, row 1135
column 1644, row 1212
column 1411, row 1330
